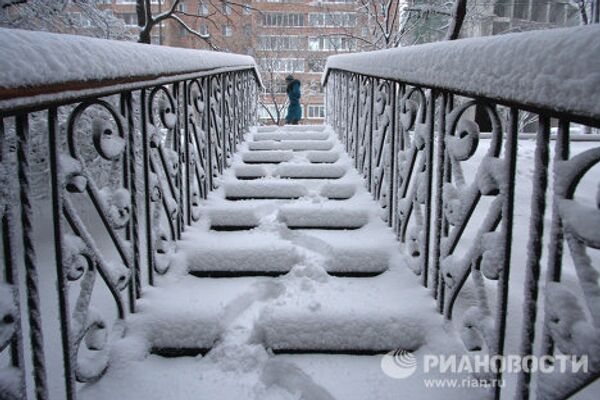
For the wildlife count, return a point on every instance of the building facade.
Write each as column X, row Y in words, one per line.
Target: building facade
column 286, row 37
column 295, row 37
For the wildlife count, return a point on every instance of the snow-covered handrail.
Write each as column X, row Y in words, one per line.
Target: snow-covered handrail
column 38, row 67
column 551, row 69
column 118, row 143
column 464, row 203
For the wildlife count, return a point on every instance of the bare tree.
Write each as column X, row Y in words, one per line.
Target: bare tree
column 147, row 20
column 82, row 17
column 386, row 24
column 274, row 98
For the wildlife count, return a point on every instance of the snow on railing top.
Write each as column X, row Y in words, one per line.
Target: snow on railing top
column 38, row 63
column 556, row 69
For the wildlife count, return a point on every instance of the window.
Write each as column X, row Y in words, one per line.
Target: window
column 282, row 19
column 338, row 19
column 282, row 64
column 280, row 42
column 130, row 19
column 265, row 109
column 557, row 13
column 182, row 7
column 276, row 87
column 316, row 65
column 502, row 8
column 248, row 29
column 203, row 29
column 202, row 9
column 521, row 10
column 331, row 43
column 226, row 8
column 182, row 31
column 316, row 111
column 227, row 30
column 247, row 10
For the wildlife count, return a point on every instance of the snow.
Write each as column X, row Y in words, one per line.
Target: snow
column 250, row 171
column 32, row 59
column 322, row 217
column 229, row 216
column 296, row 145
column 322, row 156
column 558, row 61
column 338, row 190
column 243, row 320
column 267, row 156
column 309, row 171
column 302, row 135
column 264, row 189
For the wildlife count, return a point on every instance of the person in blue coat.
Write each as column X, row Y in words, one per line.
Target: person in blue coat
column 294, row 113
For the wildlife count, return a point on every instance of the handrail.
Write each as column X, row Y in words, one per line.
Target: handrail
column 128, row 139
column 411, row 119
column 553, row 69
column 40, row 68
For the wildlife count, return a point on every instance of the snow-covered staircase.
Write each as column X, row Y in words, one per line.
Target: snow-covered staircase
column 298, row 209
column 289, row 256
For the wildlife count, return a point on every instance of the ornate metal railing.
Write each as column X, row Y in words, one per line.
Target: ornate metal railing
column 411, row 119
column 100, row 173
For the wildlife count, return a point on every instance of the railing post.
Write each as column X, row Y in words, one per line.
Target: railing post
column 507, row 189
column 534, row 247
column 130, row 183
column 357, row 117
column 392, row 154
column 370, row 137
column 11, row 274
column 148, row 186
column 29, row 256
column 57, row 180
column 430, row 115
column 439, row 216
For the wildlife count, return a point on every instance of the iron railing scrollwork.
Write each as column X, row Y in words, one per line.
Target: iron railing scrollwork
column 452, row 205
column 127, row 173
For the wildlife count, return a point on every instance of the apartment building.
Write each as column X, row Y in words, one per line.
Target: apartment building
column 505, row 16
column 285, row 36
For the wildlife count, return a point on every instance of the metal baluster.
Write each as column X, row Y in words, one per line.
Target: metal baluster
column 147, row 185
column 430, row 115
column 29, row 256
column 506, row 228
column 11, row 276
column 534, row 247
column 439, row 191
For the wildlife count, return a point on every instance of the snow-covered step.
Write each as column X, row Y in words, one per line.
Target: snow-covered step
column 308, row 135
column 323, row 157
column 295, row 145
column 266, row 157
column 348, row 316
column 232, row 219
column 250, row 172
column 300, row 128
column 309, row 171
column 322, row 217
column 264, row 189
column 338, row 191
column 235, row 254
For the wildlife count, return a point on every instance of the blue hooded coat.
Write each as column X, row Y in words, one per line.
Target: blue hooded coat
column 294, row 112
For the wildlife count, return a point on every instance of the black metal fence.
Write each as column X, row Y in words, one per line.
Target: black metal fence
column 415, row 145
column 125, row 165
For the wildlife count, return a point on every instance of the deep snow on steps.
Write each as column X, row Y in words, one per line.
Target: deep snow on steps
column 245, row 320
